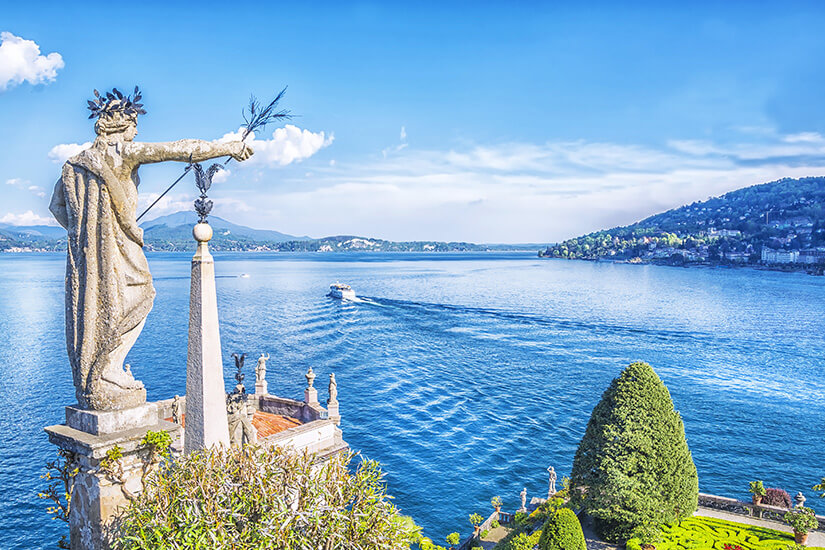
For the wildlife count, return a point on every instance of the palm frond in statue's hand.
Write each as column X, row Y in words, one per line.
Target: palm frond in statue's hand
column 255, row 117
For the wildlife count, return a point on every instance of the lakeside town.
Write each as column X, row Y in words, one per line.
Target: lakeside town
column 777, row 225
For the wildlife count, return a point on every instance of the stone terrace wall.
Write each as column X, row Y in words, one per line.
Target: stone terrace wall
column 290, row 407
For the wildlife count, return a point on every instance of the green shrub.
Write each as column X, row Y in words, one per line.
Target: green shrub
column 633, row 461
column 522, row 541
column 562, row 531
column 495, row 524
column 476, row 519
column 820, row 487
column 453, row 539
column 801, row 519
column 252, row 498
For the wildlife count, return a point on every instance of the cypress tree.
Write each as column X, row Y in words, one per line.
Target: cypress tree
column 633, row 461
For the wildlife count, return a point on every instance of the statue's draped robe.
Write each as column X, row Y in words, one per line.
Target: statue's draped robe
column 109, row 288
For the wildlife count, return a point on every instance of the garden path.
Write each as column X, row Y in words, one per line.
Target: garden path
column 591, row 538
column 815, row 538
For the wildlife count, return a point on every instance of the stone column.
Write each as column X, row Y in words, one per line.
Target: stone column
column 310, row 393
column 206, row 422
column 100, row 495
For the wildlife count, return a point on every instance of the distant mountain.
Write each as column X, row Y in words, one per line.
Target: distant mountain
column 787, row 216
column 174, row 233
column 32, row 232
column 178, row 226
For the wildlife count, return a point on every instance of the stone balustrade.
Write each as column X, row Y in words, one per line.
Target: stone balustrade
column 745, row 508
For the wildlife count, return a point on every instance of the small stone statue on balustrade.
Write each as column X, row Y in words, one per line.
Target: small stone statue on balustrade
column 177, row 410
column 260, row 375
column 523, row 496
column 551, row 490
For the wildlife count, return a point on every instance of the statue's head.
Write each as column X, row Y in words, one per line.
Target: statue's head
column 117, row 123
column 116, row 113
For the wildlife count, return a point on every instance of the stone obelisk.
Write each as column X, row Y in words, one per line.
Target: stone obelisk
column 206, row 422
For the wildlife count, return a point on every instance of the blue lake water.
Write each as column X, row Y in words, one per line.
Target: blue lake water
column 465, row 375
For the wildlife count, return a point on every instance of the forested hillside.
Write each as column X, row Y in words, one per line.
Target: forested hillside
column 785, row 215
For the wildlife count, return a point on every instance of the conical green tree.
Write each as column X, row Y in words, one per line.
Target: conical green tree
column 562, row 531
column 633, row 463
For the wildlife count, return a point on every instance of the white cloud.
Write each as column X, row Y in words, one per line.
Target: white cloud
column 524, row 192
column 287, row 145
column 61, row 153
column 25, row 184
column 402, row 136
column 20, row 61
column 221, row 176
column 27, row 218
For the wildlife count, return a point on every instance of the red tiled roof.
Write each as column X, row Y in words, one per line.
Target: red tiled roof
column 266, row 423
column 269, row 424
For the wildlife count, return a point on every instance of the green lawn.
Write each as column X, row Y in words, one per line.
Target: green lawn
column 699, row 533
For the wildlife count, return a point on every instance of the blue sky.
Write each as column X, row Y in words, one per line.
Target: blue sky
column 487, row 122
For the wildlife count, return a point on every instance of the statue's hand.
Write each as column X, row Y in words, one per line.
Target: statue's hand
column 241, row 151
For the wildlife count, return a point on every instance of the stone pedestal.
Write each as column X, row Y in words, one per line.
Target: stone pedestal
column 108, row 422
column 311, row 396
column 98, row 496
column 261, row 388
column 206, row 422
column 332, row 411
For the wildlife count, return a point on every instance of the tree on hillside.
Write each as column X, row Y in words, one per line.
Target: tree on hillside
column 633, row 466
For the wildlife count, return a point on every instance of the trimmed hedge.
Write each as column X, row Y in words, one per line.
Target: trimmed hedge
column 702, row 532
column 562, row 531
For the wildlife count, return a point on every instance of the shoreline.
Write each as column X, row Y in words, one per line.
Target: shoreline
column 808, row 269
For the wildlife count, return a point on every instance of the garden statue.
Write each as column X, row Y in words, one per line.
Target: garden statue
column 241, row 430
column 552, row 489
column 260, row 368
column 109, row 288
column 523, row 495
column 310, row 376
column 177, row 410
column 333, row 389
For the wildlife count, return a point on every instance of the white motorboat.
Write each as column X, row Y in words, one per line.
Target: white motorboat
column 341, row 291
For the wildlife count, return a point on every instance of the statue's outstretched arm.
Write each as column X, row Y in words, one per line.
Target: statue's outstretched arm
column 185, row 150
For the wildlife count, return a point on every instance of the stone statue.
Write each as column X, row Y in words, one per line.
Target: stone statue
column 523, row 495
column 241, row 430
column 260, row 368
column 109, row 288
column 310, row 376
column 333, row 389
column 177, row 409
column 551, row 490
